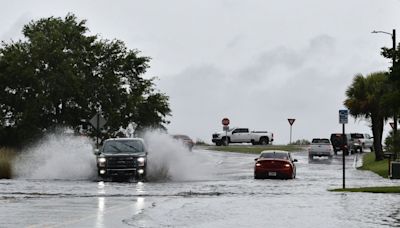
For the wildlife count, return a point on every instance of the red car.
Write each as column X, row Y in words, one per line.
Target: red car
column 275, row 164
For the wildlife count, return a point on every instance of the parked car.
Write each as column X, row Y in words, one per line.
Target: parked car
column 358, row 142
column 320, row 147
column 339, row 143
column 122, row 158
column 275, row 164
column 186, row 140
column 242, row 135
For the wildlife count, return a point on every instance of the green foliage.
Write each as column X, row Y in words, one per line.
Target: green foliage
column 365, row 99
column 389, row 142
column 201, row 142
column 6, row 158
column 384, row 189
column 59, row 75
column 301, row 142
column 379, row 167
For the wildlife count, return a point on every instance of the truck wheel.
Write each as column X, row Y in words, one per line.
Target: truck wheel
column 225, row 141
column 264, row 141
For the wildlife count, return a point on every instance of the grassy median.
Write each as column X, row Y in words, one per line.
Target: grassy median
column 249, row 149
column 6, row 157
column 379, row 167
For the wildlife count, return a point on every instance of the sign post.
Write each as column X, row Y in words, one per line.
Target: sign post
column 344, row 119
column 98, row 122
column 291, row 121
column 225, row 123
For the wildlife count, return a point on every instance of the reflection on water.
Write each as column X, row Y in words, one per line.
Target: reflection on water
column 101, row 203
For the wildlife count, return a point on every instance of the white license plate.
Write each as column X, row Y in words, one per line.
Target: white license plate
column 272, row 174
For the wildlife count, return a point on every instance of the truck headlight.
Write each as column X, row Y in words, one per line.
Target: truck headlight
column 141, row 161
column 102, row 162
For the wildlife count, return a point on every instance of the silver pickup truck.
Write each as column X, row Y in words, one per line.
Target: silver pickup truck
column 320, row 147
column 242, row 135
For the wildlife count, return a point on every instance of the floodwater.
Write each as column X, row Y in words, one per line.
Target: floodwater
column 223, row 193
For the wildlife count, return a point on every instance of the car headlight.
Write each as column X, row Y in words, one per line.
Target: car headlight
column 141, row 161
column 102, row 161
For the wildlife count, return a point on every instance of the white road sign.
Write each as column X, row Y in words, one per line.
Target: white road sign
column 343, row 116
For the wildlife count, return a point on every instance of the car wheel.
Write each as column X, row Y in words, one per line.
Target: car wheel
column 264, row 141
column 218, row 143
column 225, row 141
column 257, row 176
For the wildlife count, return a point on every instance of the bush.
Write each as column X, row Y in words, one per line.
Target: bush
column 390, row 146
column 301, row 142
column 200, row 142
column 6, row 157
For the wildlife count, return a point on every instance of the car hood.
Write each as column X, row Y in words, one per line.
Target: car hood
column 123, row 154
column 272, row 159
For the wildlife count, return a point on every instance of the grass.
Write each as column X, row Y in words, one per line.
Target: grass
column 6, row 157
column 378, row 167
column 255, row 149
column 390, row 189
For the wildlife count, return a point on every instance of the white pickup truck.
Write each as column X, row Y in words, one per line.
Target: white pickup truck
column 320, row 147
column 242, row 135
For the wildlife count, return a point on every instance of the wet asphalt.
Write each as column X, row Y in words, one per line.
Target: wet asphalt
column 222, row 193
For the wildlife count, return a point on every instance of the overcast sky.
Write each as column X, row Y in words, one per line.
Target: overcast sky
column 255, row 62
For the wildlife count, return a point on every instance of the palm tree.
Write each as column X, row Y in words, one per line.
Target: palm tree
column 364, row 100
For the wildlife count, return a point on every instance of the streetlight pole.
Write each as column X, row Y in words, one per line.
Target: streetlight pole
column 393, row 35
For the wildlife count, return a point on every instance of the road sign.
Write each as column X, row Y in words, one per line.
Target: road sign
column 291, row 121
column 98, row 121
column 225, row 121
column 343, row 116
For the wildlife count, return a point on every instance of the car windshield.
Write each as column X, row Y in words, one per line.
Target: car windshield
column 275, row 155
column 357, row 136
column 320, row 141
column 123, row 146
column 181, row 137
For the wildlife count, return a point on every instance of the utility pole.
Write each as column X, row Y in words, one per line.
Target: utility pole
column 393, row 67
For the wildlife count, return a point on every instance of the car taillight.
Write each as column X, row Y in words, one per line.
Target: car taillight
column 287, row 165
column 258, row 164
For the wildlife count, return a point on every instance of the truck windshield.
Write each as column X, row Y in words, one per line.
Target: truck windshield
column 321, row 141
column 123, row 146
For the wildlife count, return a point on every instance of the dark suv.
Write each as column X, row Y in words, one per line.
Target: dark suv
column 339, row 143
column 122, row 158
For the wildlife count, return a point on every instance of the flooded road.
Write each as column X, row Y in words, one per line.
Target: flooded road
column 224, row 195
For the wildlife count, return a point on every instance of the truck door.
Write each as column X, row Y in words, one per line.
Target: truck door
column 240, row 135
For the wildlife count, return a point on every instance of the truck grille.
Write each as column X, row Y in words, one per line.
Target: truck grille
column 121, row 162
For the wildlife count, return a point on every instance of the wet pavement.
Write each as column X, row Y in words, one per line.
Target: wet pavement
column 224, row 195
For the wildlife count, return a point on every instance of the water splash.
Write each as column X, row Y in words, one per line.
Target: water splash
column 169, row 159
column 57, row 156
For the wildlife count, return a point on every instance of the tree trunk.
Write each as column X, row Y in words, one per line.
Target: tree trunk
column 377, row 131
